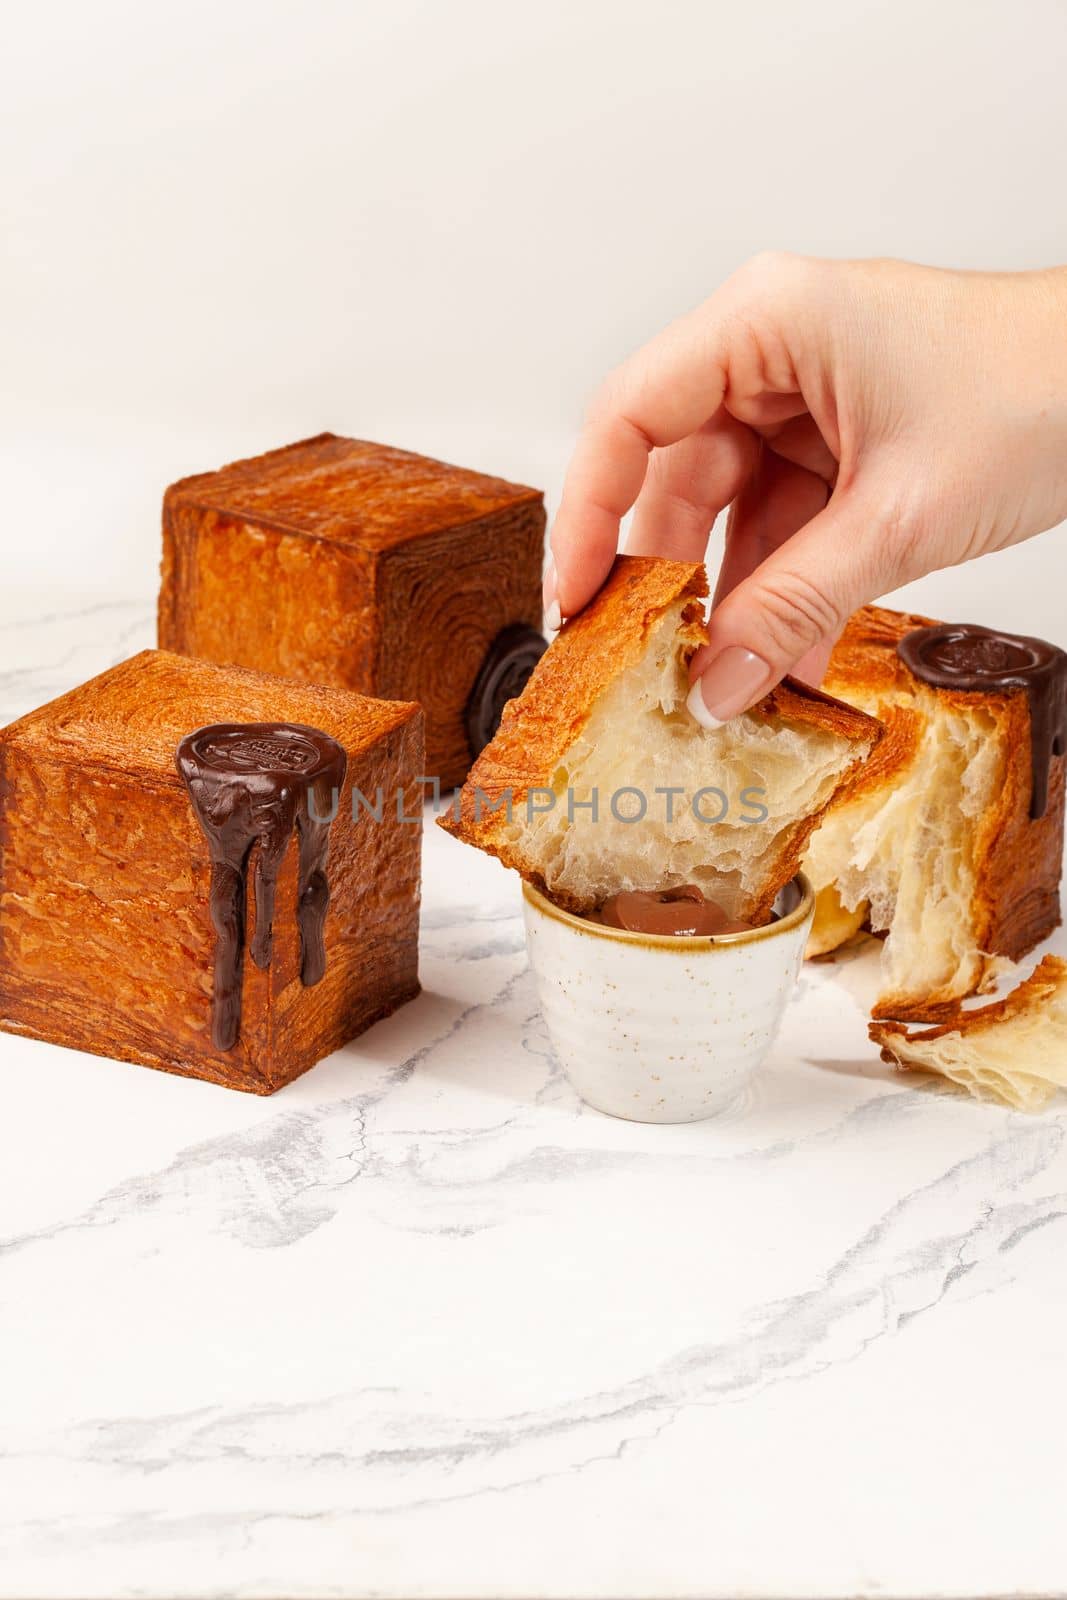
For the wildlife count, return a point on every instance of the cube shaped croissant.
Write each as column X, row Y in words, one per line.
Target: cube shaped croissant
column 361, row 567
column 208, row 870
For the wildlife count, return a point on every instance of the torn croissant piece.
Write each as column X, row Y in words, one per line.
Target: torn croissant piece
column 599, row 780
column 1013, row 1050
column 951, row 836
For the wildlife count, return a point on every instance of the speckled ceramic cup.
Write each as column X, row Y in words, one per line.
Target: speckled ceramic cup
column 656, row 1028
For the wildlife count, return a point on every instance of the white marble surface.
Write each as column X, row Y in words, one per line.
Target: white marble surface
column 421, row 1325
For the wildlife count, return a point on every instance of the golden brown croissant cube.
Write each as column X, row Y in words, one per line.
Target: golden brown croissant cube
column 118, row 913
column 350, row 564
column 950, row 840
column 599, row 780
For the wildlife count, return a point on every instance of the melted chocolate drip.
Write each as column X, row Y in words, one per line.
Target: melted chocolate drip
column 966, row 656
column 683, row 911
column 250, row 784
column 502, row 676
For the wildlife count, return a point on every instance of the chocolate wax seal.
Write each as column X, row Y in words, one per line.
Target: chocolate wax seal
column 268, row 749
column 251, row 785
column 503, row 675
column 967, row 657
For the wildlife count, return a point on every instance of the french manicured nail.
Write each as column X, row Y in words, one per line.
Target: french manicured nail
column 553, row 615
column 730, row 684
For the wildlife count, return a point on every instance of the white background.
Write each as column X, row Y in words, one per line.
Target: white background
column 228, row 225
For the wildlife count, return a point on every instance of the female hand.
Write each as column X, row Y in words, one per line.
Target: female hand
column 866, row 422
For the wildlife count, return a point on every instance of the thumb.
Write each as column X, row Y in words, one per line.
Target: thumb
column 790, row 610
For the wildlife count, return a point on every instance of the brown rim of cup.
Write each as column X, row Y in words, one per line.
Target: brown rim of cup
column 672, row 941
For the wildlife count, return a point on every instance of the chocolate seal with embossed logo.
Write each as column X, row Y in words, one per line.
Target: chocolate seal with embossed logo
column 503, row 676
column 968, row 657
column 251, row 785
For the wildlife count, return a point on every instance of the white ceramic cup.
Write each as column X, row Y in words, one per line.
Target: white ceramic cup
column 657, row 1028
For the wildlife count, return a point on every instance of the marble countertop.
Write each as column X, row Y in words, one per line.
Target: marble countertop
column 423, row 1325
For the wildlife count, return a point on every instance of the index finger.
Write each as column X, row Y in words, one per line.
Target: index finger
column 660, row 395
column 663, row 393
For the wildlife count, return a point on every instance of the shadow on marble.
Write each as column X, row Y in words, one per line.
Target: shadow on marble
column 872, row 1069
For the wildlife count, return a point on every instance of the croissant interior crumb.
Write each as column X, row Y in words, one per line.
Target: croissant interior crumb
column 907, row 851
column 641, row 735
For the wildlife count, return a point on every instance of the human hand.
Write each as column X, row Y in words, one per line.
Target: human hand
column 867, row 422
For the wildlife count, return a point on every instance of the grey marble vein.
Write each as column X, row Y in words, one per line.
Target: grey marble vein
column 898, row 1269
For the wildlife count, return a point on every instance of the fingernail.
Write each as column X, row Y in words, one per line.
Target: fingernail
column 553, row 615
column 696, row 708
column 730, row 684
